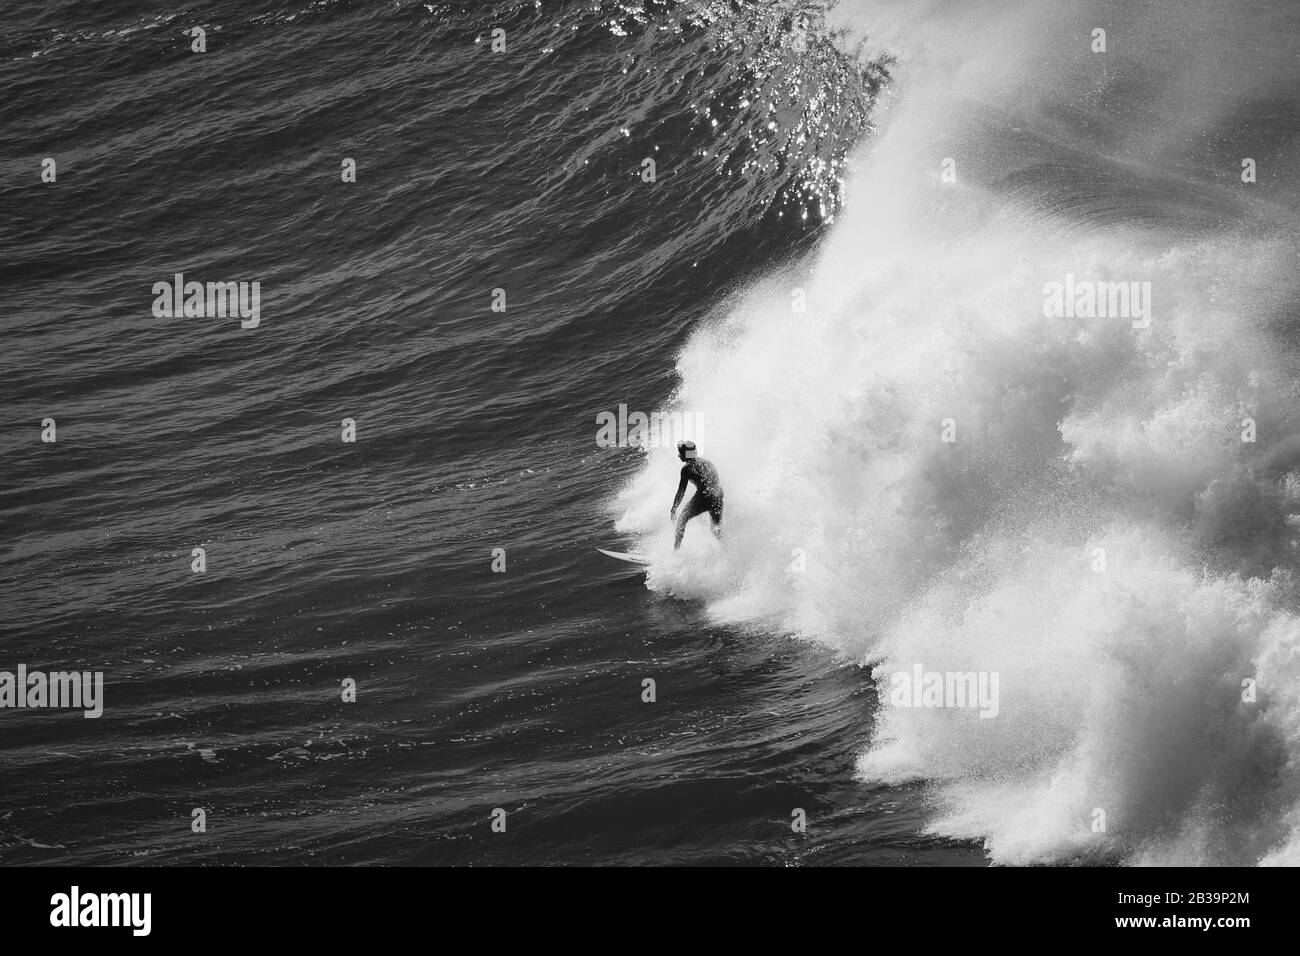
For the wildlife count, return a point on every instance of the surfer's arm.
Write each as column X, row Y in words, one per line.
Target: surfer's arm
column 681, row 490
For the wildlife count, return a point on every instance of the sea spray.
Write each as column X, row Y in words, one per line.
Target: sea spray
column 1104, row 513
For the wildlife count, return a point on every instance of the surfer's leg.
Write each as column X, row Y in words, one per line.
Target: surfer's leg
column 692, row 509
column 715, row 518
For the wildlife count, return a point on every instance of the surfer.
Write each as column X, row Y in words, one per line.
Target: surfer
column 708, row 492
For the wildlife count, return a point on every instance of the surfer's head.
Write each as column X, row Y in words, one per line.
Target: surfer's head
column 685, row 450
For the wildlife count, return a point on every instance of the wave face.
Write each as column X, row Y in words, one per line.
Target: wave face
column 329, row 559
column 1099, row 533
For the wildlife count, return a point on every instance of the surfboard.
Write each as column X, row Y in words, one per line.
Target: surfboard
column 630, row 558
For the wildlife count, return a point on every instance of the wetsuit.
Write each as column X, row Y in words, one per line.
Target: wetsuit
column 707, row 497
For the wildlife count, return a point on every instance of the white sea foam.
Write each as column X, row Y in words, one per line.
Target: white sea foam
column 849, row 521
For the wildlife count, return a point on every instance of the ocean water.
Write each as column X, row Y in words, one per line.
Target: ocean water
column 913, row 174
